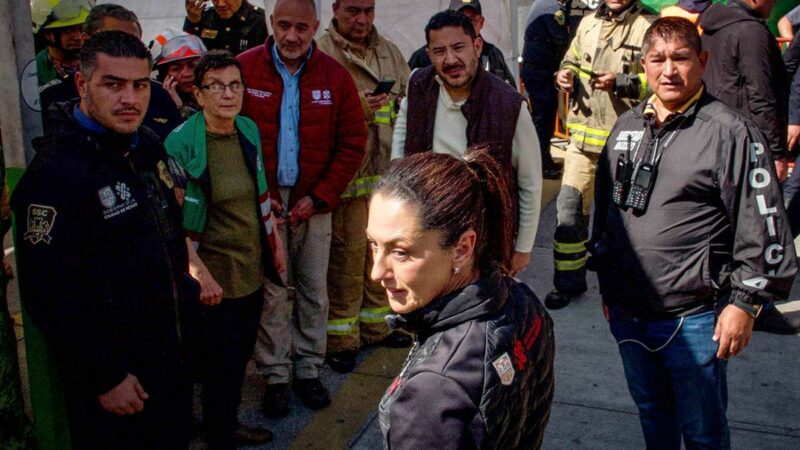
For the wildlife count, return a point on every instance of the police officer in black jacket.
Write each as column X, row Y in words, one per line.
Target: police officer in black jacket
column 232, row 25
column 162, row 115
column 480, row 375
column 690, row 242
column 102, row 258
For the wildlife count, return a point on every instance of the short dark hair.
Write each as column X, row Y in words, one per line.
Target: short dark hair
column 94, row 21
column 671, row 29
column 118, row 44
column 212, row 60
column 449, row 18
column 478, row 181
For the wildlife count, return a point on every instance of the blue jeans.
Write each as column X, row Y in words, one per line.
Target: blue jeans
column 678, row 384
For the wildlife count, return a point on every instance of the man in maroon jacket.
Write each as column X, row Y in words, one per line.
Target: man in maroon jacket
column 313, row 137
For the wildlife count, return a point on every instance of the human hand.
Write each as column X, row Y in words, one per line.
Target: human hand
column 126, row 398
column 782, row 169
column 519, row 262
column 7, row 268
column 604, row 81
column 793, row 136
column 733, row 331
column 606, row 312
column 210, row 290
column 302, row 211
column 280, row 254
column 375, row 102
column 171, row 86
column 194, row 10
column 566, row 80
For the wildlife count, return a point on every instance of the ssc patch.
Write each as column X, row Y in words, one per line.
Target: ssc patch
column 505, row 369
column 41, row 219
column 209, row 34
column 628, row 139
column 163, row 173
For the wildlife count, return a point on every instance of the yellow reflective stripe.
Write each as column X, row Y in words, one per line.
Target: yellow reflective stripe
column 642, row 86
column 588, row 135
column 576, row 247
column 564, row 266
column 342, row 327
column 575, row 51
column 373, row 315
column 587, row 130
column 361, row 186
column 386, row 114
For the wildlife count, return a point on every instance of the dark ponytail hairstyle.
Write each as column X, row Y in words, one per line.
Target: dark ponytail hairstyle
column 453, row 196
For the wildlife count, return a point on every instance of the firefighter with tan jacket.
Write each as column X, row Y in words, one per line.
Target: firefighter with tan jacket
column 357, row 304
column 603, row 74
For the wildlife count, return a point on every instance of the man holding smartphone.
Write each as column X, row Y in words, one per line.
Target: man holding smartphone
column 357, row 304
column 603, row 76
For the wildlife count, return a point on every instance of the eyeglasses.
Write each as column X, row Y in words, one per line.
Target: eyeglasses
column 219, row 88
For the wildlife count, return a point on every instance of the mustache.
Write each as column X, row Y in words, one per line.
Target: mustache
column 127, row 110
column 452, row 66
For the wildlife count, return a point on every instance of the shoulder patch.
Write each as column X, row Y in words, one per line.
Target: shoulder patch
column 505, row 369
column 41, row 219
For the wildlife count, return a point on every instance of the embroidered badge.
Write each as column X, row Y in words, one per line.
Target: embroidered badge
column 117, row 200
column 40, row 223
column 161, row 120
column 321, row 97
column 163, row 173
column 627, row 139
column 258, row 94
column 504, row 368
column 107, row 197
column 209, row 34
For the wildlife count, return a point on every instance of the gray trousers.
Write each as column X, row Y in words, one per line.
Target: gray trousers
column 293, row 331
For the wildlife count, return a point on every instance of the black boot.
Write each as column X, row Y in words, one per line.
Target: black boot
column 342, row 362
column 276, row 400
column 557, row 299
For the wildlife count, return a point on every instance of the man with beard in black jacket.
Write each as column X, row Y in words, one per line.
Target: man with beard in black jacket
column 103, row 266
column 690, row 240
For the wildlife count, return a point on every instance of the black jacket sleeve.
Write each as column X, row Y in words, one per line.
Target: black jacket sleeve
column 791, row 57
column 59, row 286
column 764, row 96
column 433, row 412
column 763, row 250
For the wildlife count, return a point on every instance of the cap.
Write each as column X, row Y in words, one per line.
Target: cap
column 176, row 46
column 457, row 5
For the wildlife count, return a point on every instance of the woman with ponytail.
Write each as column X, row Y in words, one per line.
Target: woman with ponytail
column 480, row 375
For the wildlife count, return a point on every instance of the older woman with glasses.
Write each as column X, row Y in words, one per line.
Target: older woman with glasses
column 215, row 159
column 480, row 375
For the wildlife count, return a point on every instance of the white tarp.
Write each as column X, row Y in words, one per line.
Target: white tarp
column 402, row 21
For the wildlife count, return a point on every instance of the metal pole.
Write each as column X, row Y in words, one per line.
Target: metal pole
column 515, row 39
column 21, row 121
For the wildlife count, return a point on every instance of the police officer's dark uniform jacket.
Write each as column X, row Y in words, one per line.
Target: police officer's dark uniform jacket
column 104, row 275
column 714, row 228
column 480, row 375
column 247, row 28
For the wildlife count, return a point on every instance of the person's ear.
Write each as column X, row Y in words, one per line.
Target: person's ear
column 198, row 96
column 703, row 58
column 464, row 248
column 479, row 45
column 81, row 83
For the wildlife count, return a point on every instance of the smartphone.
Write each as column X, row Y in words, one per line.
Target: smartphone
column 383, row 87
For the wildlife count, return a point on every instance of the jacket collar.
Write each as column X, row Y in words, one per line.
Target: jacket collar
column 746, row 8
column 372, row 40
column 486, row 296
